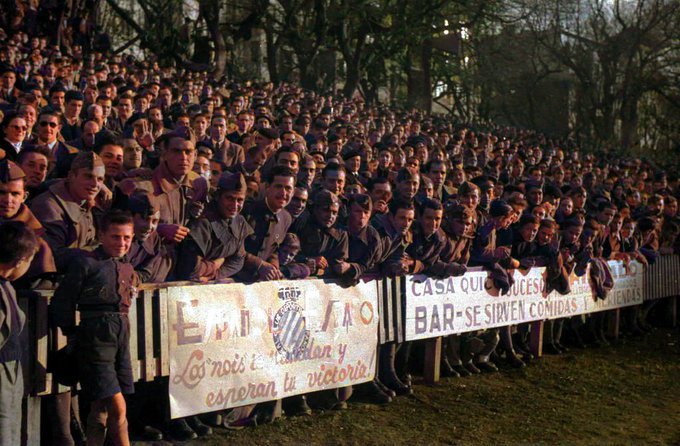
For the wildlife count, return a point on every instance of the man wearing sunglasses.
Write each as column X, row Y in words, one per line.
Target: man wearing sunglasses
column 49, row 126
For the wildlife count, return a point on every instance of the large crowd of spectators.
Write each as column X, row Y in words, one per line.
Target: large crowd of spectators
column 125, row 172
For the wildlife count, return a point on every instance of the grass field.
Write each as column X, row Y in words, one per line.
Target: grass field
column 624, row 394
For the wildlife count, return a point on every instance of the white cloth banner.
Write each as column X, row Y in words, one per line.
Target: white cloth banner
column 233, row 344
column 467, row 303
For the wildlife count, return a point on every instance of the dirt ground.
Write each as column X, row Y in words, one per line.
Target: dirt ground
column 625, row 394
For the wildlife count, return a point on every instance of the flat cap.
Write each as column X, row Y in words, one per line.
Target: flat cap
column 9, row 171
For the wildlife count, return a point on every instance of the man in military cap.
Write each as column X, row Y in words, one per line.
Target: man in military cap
column 12, row 208
column 214, row 248
column 65, row 209
column 322, row 243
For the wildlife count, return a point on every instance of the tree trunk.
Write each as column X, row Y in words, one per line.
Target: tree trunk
column 272, row 63
column 426, row 87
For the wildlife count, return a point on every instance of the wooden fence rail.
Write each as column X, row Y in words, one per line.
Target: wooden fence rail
column 149, row 332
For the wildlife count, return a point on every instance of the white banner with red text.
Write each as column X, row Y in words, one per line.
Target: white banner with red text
column 233, row 344
column 470, row 302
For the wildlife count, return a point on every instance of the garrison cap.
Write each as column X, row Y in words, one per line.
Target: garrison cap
column 325, row 199
column 86, row 160
column 231, row 182
column 9, row 171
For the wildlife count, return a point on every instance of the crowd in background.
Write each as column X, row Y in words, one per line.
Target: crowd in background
column 125, row 172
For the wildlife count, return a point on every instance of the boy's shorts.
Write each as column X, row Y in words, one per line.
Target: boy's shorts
column 103, row 351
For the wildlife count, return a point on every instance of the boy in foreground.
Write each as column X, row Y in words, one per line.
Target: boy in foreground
column 101, row 286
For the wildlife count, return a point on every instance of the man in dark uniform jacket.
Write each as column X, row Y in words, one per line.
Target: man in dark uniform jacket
column 270, row 222
column 321, row 242
column 148, row 254
column 101, row 286
column 214, row 248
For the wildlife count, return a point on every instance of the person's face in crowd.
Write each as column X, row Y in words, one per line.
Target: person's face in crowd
column 286, row 124
column 165, row 97
column 572, row 234
column 202, row 166
column 34, row 166
column 558, row 176
column 462, row 226
column 48, row 128
column 12, row 195
column 179, row 155
column 8, row 80
column 627, row 230
column 124, row 108
column 290, row 160
column 326, row 215
column 408, row 188
column 29, row 114
column 402, row 220
column 307, row 172
column 540, row 212
column 470, row 200
column 334, row 147
column 606, row 216
column 85, row 184
column 200, row 125
column 287, row 253
column 90, row 130
column 229, row 204
column 112, row 156
column 528, row 232
column 437, row 174
column 97, row 115
column 132, row 156
column 381, row 192
column 218, row 129
column 385, row 159
column 106, row 106
column 535, row 196
column 536, row 175
column 215, row 172
column 431, row 220
column 90, row 94
column 566, row 206
column 182, row 122
column 671, row 208
column 73, row 108
column 298, row 202
column 279, row 193
column 334, row 181
column 579, row 200
column 156, row 116
column 145, row 226
column 237, row 105
column 545, row 235
column 244, row 122
column 457, row 177
column 358, row 217
column 656, row 207
column 116, row 240
column 426, row 189
column 353, row 164
column 16, row 129
column 517, row 170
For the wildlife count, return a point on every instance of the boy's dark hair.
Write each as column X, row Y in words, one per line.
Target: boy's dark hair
column 528, row 218
column 332, row 166
column 115, row 217
column 430, row 203
column 395, row 205
column 548, row 223
column 280, row 171
column 17, row 241
column 32, row 149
